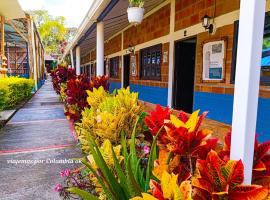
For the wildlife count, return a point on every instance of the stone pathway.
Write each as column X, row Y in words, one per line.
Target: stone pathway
column 39, row 132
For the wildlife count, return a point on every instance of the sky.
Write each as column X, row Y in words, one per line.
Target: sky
column 73, row 10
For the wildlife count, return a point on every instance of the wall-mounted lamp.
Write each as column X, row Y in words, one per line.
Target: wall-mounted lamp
column 206, row 23
column 130, row 49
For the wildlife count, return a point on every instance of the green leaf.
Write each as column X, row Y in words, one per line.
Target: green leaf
column 134, row 186
column 121, row 175
column 151, row 160
column 83, row 194
column 133, row 151
column 108, row 193
column 124, row 147
column 111, row 180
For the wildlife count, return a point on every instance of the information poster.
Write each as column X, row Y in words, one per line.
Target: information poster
column 133, row 65
column 213, row 60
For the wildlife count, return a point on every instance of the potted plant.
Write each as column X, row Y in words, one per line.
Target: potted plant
column 135, row 11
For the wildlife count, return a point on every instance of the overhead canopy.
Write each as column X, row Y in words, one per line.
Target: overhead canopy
column 11, row 9
column 114, row 15
column 16, row 32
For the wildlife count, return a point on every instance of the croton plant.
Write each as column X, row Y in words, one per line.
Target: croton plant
column 61, row 75
column 76, row 94
column 130, row 154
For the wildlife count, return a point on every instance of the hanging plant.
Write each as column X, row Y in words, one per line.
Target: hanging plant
column 135, row 11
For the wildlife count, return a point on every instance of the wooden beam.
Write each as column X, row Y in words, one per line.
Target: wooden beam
column 17, row 30
column 2, row 35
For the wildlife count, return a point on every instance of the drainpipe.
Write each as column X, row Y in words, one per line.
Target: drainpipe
column 100, row 49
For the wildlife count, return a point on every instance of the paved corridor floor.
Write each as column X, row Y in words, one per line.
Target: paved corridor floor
column 38, row 132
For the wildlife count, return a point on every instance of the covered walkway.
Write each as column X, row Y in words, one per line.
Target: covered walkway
column 38, row 132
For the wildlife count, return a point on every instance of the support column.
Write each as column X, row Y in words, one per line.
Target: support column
column 34, row 52
column 71, row 59
column 78, row 60
column 247, row 80
column 2, row 35
column 100, row 49
column 171, row 55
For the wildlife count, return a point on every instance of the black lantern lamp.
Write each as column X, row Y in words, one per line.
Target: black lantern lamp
column 206, row 23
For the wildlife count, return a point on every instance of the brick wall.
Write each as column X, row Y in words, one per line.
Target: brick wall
column 227, row 33
column 164, row 71
column 152, row 27
column 113, row 45
column 190, row 12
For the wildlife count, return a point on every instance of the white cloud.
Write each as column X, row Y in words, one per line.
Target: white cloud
column 73, row 10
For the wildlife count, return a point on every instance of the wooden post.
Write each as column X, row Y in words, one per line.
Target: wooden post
column 247, row 81
column 2, row 35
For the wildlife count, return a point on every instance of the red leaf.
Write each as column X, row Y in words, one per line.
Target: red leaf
column 252, row 192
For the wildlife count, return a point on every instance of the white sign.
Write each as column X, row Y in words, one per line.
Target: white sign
column 213, row 60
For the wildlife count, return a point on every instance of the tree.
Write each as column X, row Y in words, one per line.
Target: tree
column 52, row 30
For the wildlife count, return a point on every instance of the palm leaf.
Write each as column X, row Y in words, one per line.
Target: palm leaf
column 83, row 194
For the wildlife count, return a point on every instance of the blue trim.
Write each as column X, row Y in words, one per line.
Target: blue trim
column 114, row 85
column 220, row 107
column 100, row 18
column 88, row 32
column 156, row 95
column 107, row 10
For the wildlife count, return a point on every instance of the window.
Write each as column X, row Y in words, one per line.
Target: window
column 151, row 63
column 265, row 63
column 93, row 69
column 114, row 66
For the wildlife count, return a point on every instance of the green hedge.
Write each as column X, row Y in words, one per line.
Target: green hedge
column 14, row 90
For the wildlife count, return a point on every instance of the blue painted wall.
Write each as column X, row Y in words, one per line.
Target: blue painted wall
column 156, row 95
column 114, row 85
column 220, row 108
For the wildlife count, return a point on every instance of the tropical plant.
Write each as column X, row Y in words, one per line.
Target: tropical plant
column 182, row 136
column 168, row 189
column 98, row 81
column 121, row 181
column 61, row 75
column 52, row 30
column 76, row 96
column 136, row 3
column 108, row 115
column 217, row 179
column 14, row 90
column 261, row 159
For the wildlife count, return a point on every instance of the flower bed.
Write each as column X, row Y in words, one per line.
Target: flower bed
column 14, row 90
column 131, row 154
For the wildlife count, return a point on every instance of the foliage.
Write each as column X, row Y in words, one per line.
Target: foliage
column 75, row 181
column 108, row 115
column 52, row 30
column 169, row 188
column 136, row 3
column 14, row 90
column 217, row 179
column 98, row 81
column 61, row 75
column 121, row 177
column 76, row 96
column 133, row 155
column 261, row 159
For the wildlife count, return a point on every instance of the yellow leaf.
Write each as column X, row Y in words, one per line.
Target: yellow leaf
column 145, row 196
column 177, row 122
column 192, row 121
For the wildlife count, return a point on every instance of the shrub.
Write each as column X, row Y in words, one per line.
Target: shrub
column 75, row 94
column 14, row 90
column 61, row 75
